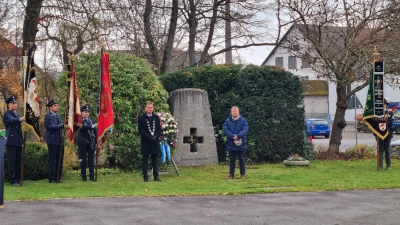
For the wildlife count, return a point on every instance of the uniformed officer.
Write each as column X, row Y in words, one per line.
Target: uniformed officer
column 384, row 145
column 54, row 126
column 87, row 143
column 14, row 140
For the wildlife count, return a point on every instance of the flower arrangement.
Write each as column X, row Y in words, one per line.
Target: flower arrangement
column 296, row 157
column 169, row 128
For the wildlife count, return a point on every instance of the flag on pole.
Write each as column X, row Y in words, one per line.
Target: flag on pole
column 377, row 124
column 31, row 98
column 74, row 110
column 105, row 122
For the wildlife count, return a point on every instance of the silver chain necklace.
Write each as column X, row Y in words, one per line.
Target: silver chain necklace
column 154, row 127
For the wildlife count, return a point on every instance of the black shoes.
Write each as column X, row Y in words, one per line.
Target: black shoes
column 231, row 176
column 145, row 179
column 15, row 184
column 52, row 181
column 157, row 179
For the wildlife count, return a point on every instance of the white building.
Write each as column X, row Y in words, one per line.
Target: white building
column 317, row 104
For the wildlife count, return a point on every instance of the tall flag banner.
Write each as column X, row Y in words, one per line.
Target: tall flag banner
column 105, row 122
column 374, row 115
column 31, row 98
column 74, row 110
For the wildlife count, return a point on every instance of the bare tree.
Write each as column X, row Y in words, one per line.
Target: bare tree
column 338, row 38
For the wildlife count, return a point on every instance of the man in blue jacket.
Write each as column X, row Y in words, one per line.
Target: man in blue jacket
column 235, row 129
column 53, row 124
column 14, row 140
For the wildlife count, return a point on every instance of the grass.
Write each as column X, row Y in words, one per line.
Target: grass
column 212, row 180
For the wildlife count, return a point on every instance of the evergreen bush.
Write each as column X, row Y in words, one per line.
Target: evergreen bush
column 133, row 83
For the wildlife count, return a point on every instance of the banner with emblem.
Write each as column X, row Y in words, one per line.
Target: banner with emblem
column 105, row 111
column 373, row 115
column 74, row 109
column 31, row 98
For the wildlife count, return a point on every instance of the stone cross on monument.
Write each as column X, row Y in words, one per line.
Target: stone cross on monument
column 193, row 139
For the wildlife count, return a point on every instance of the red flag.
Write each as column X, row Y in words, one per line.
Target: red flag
column 106, row 114
column 74, row 109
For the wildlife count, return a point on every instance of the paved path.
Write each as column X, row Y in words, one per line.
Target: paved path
column 301, row 208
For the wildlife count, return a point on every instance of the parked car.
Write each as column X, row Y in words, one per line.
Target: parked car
column 318, row 127
column 396, row 126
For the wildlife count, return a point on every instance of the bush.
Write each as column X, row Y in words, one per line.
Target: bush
column 271, row 101
column 360, row 151
column 36, row 161
column 133, row 83
column 268, row 97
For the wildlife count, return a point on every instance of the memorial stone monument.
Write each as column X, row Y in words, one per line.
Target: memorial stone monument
column 196, row 141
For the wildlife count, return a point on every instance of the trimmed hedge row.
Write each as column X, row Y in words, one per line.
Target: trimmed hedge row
column 268, row 97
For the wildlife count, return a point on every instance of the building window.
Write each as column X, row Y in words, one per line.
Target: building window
column 279, row 62
column 305, row 62
column 292, row 62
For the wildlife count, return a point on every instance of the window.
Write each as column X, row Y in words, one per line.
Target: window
column 305, row 62
column 292, row 62
column 279, row 62
column 295, row 47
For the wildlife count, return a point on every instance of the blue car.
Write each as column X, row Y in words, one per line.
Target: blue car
column 318, row 127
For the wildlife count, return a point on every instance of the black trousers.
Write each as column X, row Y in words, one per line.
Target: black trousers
column 232, row 162
column 384, row 147
column 54, row 158
column 86, row 156
column 145, row 165
column 14, row 163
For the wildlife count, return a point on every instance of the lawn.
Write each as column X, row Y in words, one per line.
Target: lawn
column 212, row 180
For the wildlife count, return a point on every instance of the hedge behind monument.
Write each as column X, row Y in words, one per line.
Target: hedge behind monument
column 268, row 97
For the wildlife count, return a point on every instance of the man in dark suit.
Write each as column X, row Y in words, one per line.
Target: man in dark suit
column 14, row 140
column 54, row 126
column 87, row 143
column 150, row 131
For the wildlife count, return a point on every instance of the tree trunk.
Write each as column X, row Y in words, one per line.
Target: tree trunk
column 32, row 13
column 192, row 33
column 203, row 58
column 149, row 36
column 339, row 123
column 228, row 36
column 171, row 37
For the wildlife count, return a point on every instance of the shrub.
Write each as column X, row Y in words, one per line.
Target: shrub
column 360, row 151
column 271, row 101
column 133, row 83
column 268, row 97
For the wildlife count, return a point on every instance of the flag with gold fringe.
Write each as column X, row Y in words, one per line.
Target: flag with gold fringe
column 105, row 112
column 74, row 110
column 377, row 125
column 31, row 98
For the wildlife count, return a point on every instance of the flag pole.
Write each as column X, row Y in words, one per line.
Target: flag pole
column 98, row 110
column 376, row 55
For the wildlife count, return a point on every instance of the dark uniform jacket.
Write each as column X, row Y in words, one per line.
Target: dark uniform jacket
column 150, row 144
column 390, row 118
column 87, row 135
column 13, row 128
column 52, row 122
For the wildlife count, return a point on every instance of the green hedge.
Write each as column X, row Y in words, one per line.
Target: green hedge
column 133, row 83
column 268, row 97
column 35, row 166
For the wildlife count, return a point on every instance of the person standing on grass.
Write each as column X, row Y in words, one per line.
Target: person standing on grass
column 384, row 145
column 150, row 131
column 235, row 128
column 54, row 126
column 87, row 143
column 14, row 140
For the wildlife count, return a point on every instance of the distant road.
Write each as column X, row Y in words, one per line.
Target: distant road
column 349, row 139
